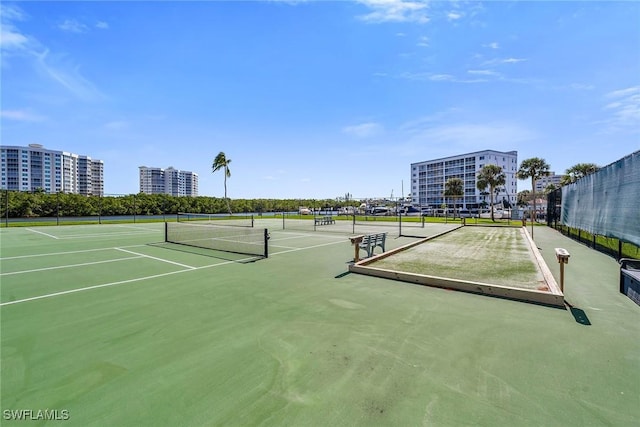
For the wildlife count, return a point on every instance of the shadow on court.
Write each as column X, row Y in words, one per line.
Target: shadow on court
column 578, row 314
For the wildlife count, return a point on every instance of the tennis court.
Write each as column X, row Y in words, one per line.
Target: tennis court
column 118, row 327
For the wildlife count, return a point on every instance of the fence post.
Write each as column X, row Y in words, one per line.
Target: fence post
column 619, row 249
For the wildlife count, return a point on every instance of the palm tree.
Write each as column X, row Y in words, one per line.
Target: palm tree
column 454, row 188
column 534, row 168
column 578, row 171
column 221, row 162
column 523, row 198
column 490, row 176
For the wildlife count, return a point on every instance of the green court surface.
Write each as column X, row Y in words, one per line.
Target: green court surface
column 117, row 328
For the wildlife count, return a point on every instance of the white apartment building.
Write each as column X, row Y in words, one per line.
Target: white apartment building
column 168, row 181
column 428, row 178
column 543, row 182
column 37, row 168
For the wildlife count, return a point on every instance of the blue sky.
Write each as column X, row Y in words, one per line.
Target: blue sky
column 317, row 99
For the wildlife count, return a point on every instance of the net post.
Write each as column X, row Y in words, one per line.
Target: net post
column 166, row 231
column 252, row 224
column 266, row 243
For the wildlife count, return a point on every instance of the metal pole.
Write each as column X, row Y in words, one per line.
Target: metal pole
column 7, row 211
column 58, row 208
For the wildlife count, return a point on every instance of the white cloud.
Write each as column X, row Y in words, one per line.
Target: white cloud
column 464, row 136
column 55, row 67
column 581, row 86
column 73, row 26
column 513, row 60
column 395, row 11
column 423, row 41
column 67, row 76
column 485, row 73
column 498, row 61
column 441, row 77
column 21, row 116
column 363, row 130
column 10, row 39
column 624, row 107
column 102, row 25
column 493, row 45
column 438, row 78
column 116, row 125
column 453, row 16
column 11, row 13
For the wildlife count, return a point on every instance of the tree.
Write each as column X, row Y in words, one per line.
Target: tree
column 490, row 176
column 534, row 168
column 523, row 198
column 454, row 188
column 578, row 171
column 221, row 162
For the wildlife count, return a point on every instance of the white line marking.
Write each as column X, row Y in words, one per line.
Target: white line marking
column 69, row 266
column 105, row 285
column 68, row 252
column 280, row 246
column 308, row 247
column 147, row 277
column 108, row 235
column 89, row 288
column 137, row 227
column 43, row 233
column 155, row 258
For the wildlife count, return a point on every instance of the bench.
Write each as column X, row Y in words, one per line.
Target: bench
column 371, row 241
column 630, row 278
column 324, row 220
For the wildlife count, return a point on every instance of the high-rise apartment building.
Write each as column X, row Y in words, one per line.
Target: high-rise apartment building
column 168, row 181
column 428, row 178
column 35, row 168
column 551, row 179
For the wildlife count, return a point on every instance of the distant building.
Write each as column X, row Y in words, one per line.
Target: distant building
column 428, row 178
column 545, row 181
column 168, row 181
column 35, row 168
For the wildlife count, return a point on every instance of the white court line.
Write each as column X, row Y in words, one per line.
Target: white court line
column 69, row 266
column 43, row 233
column 157, row 259
column 105, row 285
column 108, row 235
column 147, row 277
column 67, row 252
column 136, row 227
column 283, row 247
column 300, row 236
column 308, row 247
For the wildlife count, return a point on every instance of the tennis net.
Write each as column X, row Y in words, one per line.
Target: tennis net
column 246, row 241
column 217, row 219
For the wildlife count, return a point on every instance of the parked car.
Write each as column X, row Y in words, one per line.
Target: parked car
column 464, row 213
column 305, row 211
column 379, row 211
